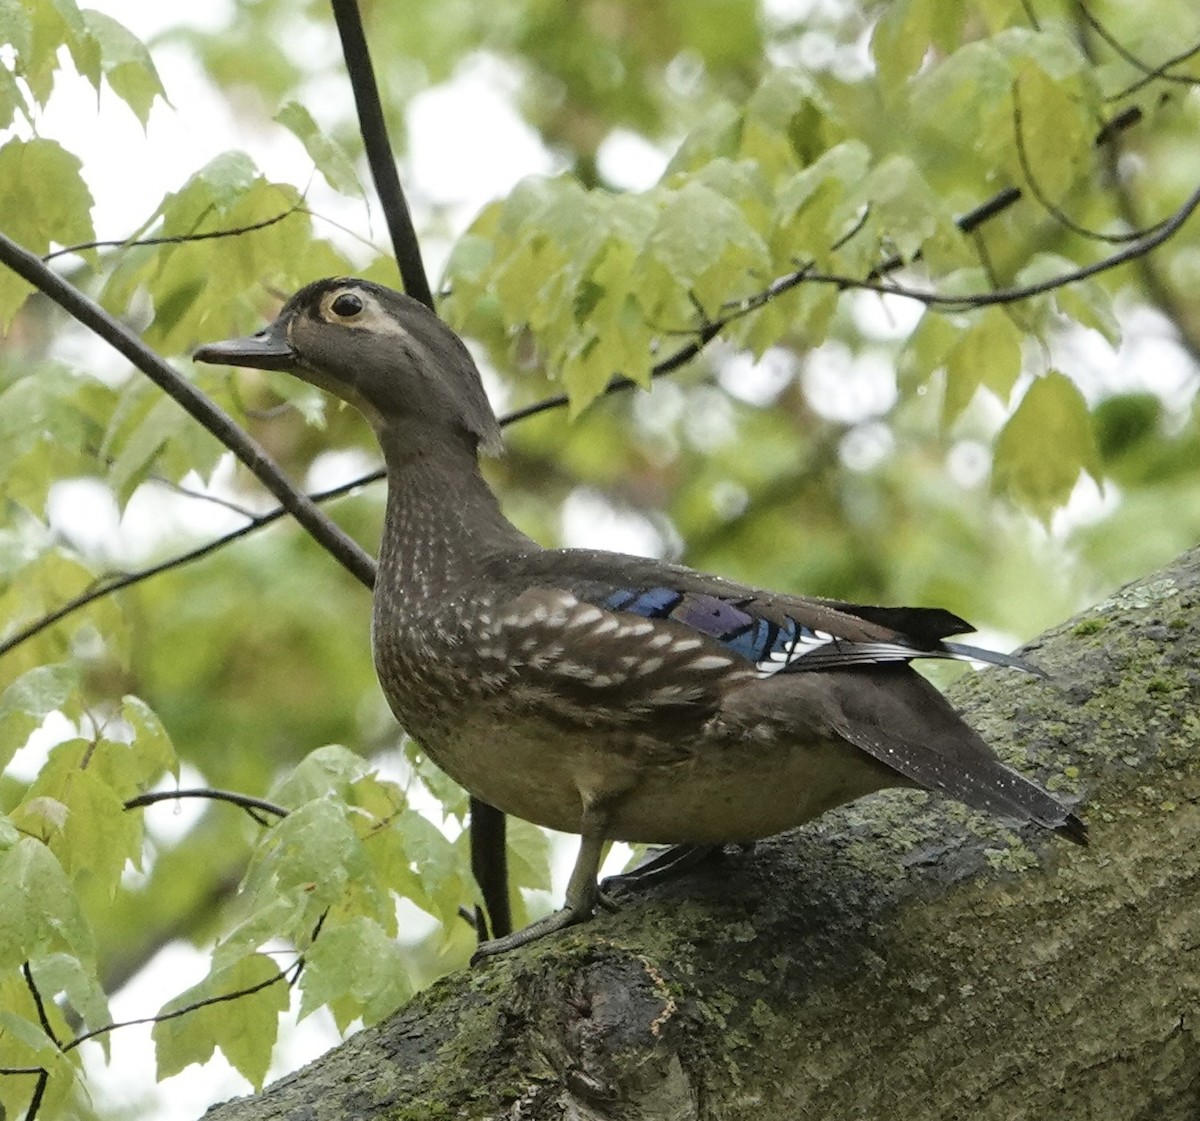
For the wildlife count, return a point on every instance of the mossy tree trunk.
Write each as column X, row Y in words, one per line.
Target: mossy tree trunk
column 901, row 958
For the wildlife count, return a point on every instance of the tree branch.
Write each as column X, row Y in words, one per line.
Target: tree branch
column 108, row 584
column 246, row 802
column 43, row 1019
column 1160, row 233
column 177, row 239
column 489, row 854
column 1149, row 73
column 1047, row 204
column 379, row 151
column 175, row 1013
column 1161, row 294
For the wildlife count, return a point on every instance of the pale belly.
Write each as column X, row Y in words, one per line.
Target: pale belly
column 722, row 788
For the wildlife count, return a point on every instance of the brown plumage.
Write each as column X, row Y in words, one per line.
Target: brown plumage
column 612, row 696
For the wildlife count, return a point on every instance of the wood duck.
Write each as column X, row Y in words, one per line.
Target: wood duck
column 612, row 696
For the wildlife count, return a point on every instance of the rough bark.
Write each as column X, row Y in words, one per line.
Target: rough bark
column 900, row 958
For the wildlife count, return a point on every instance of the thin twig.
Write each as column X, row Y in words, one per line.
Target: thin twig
column 1160, row 292
column 1149, row 73
column 1017, row 293
column 1050, row 207
column 177, row 239
column 43, row 1019
column 1002, row 199
column 243, row 801
column 202, row 496
column 1161, row 72
column 282, row 975
column 620, row 383
column 106, row 586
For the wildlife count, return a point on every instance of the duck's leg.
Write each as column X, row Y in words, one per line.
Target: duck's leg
column 583, row 892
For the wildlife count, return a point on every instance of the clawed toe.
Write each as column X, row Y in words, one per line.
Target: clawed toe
column 559, row 920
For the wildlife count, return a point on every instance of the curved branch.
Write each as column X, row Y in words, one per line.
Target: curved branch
column 1160, row 72
column 175, row 1013
column 1139, row 248
column 39, row 1005
column 176, row 239
column 1055, row 211
column 106, row 586
column 243, row 801
column 1160, row 293
column 1149, row 73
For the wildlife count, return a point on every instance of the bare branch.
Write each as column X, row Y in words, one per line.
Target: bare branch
column 1132, row 252
column 43, row 1019
column 379, row 151
column 282, row 975
column 243, row 801
column 177, row 239
column 1161, row 72
column 202, row 496
column 107, row 585
column 1159, row 291
column 1150, row 73
column 1005, row 197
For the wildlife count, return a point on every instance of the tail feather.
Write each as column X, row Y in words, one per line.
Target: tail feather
column 1074, row 829
column 903, row 721
column 965, row 652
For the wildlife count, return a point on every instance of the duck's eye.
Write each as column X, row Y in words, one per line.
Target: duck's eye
column 347, row 305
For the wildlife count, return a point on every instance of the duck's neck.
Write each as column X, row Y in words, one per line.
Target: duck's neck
column 442, row 519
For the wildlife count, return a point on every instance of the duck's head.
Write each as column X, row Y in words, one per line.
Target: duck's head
column 383, row 352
